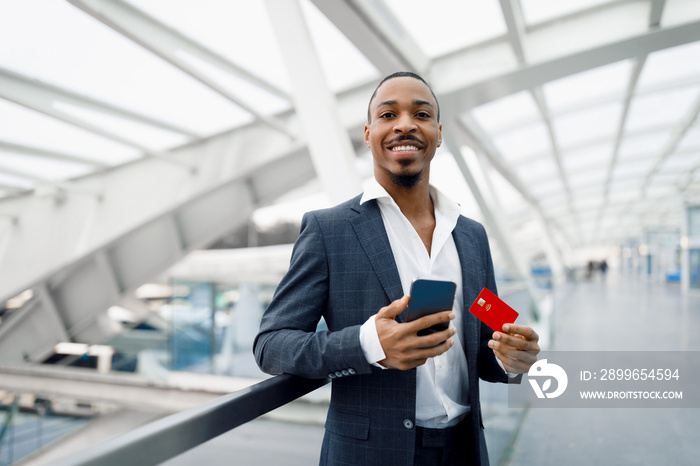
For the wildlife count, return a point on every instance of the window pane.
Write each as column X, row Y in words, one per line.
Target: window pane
column 583, row 88
column 660, row 109
column 587, row 125
column 536, row 11
column 442, row 26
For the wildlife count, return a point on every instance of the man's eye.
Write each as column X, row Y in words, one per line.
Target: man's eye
column 423, row 115
column 386, row 115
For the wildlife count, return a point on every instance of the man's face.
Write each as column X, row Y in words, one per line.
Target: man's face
column 403, row 133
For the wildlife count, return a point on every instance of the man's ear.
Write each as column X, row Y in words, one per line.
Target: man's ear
column 367, row 135
column 439, row 134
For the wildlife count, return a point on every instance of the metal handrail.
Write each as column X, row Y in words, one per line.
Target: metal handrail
column 11, row 412
column 168, row 437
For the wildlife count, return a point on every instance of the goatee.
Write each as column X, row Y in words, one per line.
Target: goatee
column 406, row 181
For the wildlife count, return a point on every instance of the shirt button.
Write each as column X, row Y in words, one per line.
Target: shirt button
column 408, row 424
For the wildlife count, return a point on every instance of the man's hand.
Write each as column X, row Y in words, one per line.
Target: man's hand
column 516, row 347
column 403, row 348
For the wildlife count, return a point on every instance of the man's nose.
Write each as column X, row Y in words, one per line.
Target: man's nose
column 404, row 124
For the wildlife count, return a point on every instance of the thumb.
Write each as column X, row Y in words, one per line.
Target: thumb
column 393, row 309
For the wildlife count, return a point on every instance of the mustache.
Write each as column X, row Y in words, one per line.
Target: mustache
column 405, row 137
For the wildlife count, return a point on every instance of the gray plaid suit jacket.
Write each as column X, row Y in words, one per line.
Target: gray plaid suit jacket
column 343, row 269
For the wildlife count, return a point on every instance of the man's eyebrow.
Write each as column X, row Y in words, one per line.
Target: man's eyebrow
column 387, row 102
column 423, row 102
column 415, row 103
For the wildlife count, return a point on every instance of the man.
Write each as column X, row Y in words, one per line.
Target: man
column 397, row 398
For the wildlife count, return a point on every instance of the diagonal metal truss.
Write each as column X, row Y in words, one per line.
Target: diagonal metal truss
column 165, row 42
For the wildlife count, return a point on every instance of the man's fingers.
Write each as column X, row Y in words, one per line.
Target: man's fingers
column 527, row 332
column 520, row 337
column 436, row 338
column 436, row 349
column 393, row 309
column 419, row 356
column 430, row 320
column 517, row 348
column 513, row 341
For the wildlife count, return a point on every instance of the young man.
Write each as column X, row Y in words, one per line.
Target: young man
column 397, row 398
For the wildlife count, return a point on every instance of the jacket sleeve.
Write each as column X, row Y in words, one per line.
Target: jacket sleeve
column 288, row 341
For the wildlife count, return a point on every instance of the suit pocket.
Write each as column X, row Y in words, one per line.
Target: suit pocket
column 347, row 424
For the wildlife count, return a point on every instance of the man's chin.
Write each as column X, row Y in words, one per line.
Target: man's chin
column 406, row 180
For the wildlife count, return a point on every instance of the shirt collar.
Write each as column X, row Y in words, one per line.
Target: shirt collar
column 443, row 204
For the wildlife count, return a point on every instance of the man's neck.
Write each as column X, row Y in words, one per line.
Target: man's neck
column 415, row 202
column 417, row 206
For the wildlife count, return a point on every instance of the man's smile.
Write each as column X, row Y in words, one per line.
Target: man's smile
column 404, row 148
column 405, row 143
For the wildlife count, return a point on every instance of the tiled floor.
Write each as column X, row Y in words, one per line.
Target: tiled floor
column 619, row 314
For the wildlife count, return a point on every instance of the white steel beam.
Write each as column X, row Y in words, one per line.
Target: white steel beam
column 458, row 96
column 495, row 223
column 673, row 141
column 173, row 40
column 30, row 334
column 165, row 42
column 472, row 134
column 685, row 250
column 15, row 87
column 25, row 175
column 515, row 23
column 50, row 154
column 620, row 133
column 656, row 13
column 364, row 24
column 55, row 189
column 328, row 141
column 125, row 389
column 12, row 189
column 41, row 97
column 538, row 96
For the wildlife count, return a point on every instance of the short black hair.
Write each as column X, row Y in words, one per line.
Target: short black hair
column 402, row 74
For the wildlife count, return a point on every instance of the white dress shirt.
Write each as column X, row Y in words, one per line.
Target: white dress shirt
column 442, row 382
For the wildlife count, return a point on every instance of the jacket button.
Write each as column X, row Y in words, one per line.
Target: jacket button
column 346, row 372
column 352, row 371
column 331, row 375
column 338, row 374
column 408, row 424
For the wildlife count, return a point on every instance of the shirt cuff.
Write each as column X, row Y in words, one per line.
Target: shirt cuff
column 510, row 375
column 369, row 341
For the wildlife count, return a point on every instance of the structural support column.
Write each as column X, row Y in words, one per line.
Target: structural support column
column 685, row 252
column 550, row 248
column 329, row 144
column 495, row 224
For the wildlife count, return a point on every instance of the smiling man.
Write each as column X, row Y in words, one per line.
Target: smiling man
column 397, row 398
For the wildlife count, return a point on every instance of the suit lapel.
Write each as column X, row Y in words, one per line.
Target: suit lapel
column 370, row 231
column 472, row 280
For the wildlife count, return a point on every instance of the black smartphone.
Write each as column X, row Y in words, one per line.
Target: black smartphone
column 429, row 297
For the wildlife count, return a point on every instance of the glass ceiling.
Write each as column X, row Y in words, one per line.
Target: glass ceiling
column 597, row 145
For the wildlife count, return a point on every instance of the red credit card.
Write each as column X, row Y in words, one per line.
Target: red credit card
column 491, row 310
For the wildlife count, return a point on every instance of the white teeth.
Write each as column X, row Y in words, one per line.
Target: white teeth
column 404, row 148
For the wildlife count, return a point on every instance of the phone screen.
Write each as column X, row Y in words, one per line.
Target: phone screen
column 429, row 297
